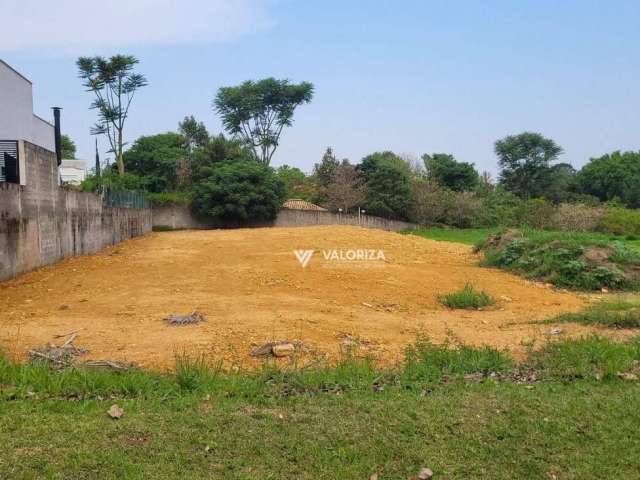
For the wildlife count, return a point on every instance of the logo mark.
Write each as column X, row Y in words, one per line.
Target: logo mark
column 303, row 256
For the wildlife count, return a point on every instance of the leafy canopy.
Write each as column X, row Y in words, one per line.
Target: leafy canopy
column 297, row 184
column 154, row 159
column 613, row 176
column 258, row 111
column 242, row 190
column 114, row 83
column 195, row 133
column 68, row 147
column 387, row 179
column 525, row 161
column 446, row 171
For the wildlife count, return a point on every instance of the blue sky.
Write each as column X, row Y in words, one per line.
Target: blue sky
column 409, row 76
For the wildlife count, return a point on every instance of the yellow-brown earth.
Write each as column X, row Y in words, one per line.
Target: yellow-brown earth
column 251, row 288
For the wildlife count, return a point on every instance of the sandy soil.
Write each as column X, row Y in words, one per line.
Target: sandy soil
column 252, row 289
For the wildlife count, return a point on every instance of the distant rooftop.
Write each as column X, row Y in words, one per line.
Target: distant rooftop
column 297, row 204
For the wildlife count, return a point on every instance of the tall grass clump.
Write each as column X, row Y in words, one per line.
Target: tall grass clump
column 612, row 315
column 466, row 298
column 591, row 358
column 426, row 362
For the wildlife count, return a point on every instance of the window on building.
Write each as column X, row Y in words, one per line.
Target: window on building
column 9, row 162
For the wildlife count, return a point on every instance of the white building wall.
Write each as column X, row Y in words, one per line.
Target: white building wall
column 17, row 121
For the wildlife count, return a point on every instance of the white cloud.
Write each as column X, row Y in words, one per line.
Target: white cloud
column 82, row 25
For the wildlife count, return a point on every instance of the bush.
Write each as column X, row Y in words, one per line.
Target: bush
column 576, row 217
column 537, row 213
column 433, row 205
column 620, row 221
column 467, row 298
column 168, row 198
column 499, row 208
column 240, row 190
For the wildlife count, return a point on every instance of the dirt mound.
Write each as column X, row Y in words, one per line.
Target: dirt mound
column 499, row 241
column 253, row 290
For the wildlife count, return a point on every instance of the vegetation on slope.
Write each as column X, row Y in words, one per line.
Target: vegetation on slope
column 580, row 261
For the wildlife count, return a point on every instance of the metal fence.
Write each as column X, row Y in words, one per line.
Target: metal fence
column 123, row 199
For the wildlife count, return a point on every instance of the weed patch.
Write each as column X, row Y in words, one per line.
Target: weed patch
column 580, row 261
column 612, row 315
column 467, row 298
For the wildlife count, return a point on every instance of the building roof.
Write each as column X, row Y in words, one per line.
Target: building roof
column 15, row 71
column 297, row 204
column 73, row 163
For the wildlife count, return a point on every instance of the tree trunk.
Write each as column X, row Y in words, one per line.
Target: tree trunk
column 119, row 158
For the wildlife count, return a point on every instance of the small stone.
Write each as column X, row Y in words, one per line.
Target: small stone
column 631, row 377
column 374, row 477
column 64, row 306
column 425, row 473
column 115, row 412
column 555, row 331
column 604, row 290
column 283, row 349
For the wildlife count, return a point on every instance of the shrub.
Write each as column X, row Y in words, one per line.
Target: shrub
column 499, row 208
column 467, row 298
column 576, row 217
column 433, row 205
column 168, row 198
column 620, row 221
column 240, row 190
column 571, row 260
column 537, row 213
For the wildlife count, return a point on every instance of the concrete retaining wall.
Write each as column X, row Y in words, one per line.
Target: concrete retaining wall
column 179, row 217
column 41, row 223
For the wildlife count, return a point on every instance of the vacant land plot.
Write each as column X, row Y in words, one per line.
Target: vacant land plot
column 252, row 289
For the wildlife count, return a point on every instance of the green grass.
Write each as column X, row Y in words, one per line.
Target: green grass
column 476, row 236
column 608, row 314
column 579, row 420
column 466, row 298
column 470, row 236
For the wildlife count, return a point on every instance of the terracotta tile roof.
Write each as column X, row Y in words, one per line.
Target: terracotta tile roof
column 296, row 204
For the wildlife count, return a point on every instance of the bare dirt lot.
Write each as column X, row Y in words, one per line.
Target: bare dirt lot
column 252, row 289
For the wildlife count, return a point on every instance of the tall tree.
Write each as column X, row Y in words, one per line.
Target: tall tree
column 258, row 111
column 114, row 84
column 612, row 176
column 68, row 147
column 297, row 184
column 155, row 160
column 323, row 172
column 446, row 171
column 347, row 189
column 388, row 181
column 525, row 161
column 194, row 132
